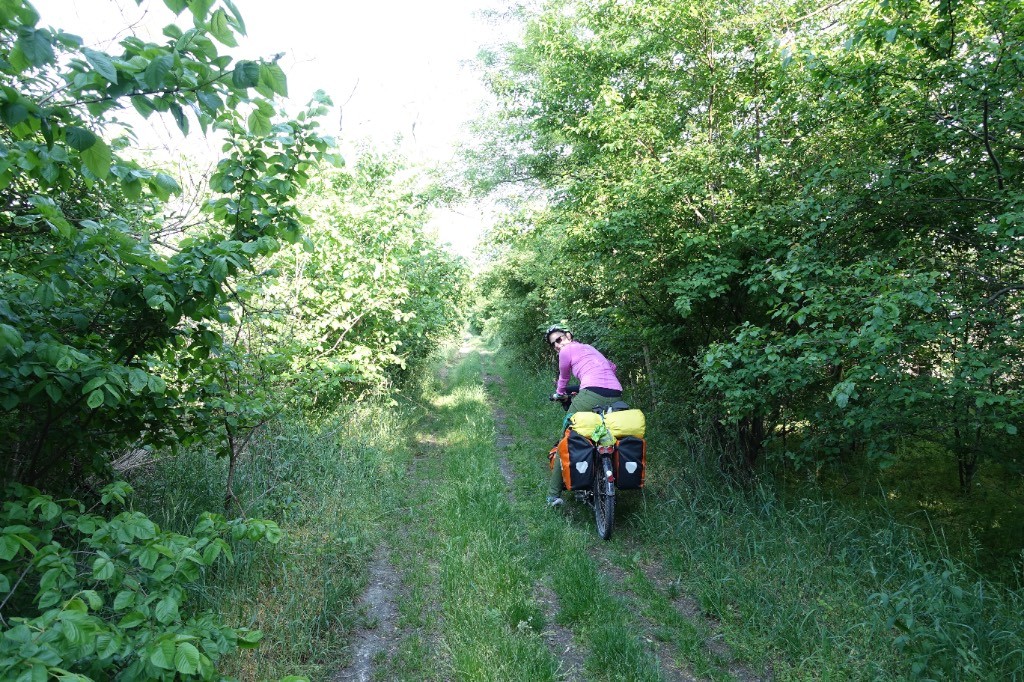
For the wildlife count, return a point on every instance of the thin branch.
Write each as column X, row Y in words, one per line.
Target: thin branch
column 988, row 147
column 12, row 591
column 347, row 330
column 1002, row 292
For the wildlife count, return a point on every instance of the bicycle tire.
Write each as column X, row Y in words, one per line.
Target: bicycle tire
column 604, row 501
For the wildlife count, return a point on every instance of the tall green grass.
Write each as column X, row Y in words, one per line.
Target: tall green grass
column 794, row 583
column 331, row 484
column 469, row 537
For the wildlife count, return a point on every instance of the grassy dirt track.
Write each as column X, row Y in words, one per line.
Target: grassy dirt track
column 489, row 584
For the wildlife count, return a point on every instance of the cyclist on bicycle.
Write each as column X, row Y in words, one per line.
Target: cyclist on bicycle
column 599, row 386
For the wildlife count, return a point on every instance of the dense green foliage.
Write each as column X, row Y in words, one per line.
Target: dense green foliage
column 106, row 595
column 120, row 329
column 808, row 214
column 107, row 332
column 125, row 328
column 368, row 293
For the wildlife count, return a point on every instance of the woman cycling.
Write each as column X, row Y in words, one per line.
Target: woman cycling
column 599, row 386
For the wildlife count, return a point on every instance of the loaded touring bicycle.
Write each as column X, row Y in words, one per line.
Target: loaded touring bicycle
column 602, row 452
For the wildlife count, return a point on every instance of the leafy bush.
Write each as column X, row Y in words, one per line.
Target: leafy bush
column 104, row 596
column 106, row 326
column 824, row 212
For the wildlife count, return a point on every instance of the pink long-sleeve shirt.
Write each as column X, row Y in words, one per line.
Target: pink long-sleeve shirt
column 588, row 365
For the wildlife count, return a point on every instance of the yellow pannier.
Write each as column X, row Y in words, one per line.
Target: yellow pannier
column 584, row 423
column 626, row 423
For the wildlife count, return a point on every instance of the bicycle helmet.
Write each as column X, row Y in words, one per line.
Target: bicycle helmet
column 555, row 328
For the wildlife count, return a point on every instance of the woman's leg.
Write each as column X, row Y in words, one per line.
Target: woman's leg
column 585, row 401
column 555, row 485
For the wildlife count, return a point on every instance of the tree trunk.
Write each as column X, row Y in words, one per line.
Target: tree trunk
column 650, row 375
column 229, row 493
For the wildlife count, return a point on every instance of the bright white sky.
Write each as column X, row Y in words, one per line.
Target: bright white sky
column 395, row 69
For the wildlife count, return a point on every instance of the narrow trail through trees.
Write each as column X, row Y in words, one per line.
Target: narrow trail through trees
column 558, row 638
column 408, row 628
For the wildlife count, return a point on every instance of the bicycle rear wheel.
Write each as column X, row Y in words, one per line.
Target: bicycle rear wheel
column 604, row 500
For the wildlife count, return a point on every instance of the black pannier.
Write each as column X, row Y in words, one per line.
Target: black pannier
column 577, row 454
column 630, row 462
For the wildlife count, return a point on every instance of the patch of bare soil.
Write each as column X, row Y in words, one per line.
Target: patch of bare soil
column 378, row 637
column 496, row 384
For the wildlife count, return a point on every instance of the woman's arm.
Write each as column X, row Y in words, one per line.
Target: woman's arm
column 564, row 368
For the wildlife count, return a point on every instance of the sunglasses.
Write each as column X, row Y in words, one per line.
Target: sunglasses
column 557, row 341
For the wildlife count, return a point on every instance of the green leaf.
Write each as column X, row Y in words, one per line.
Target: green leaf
column 221, row 30
column 49, row 597
column 176, row 6
column 79, row 138
column 239, row 22
column 157, row 71
column 179, row 117
column 157, row 384
column 47, row 129
column 186, row 659
column 200, row 8
column 211, row 552
column 163, row 655
column 142, row 105
column 249, row 639
column 138, row 380
column 103, row 568
column 13, row 113
column 35, row 45
column 132, row 620
column 167, row 610
column 102, row 62
column 272, row 76
column 259, row 124
column 107, row 645
column 93, row 384
column 125, row 599
column 164, row 186
column 97, row 159
column 54, row 392
column 95, row 399
column 94, row 599
column 246, row 74
column 8, row 547
column 132, row 188
column 72, row 633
